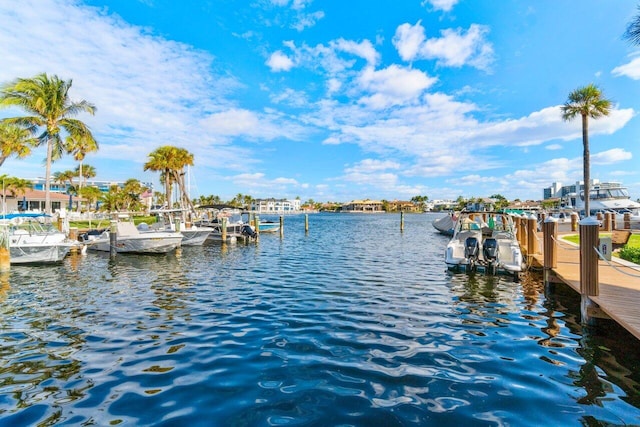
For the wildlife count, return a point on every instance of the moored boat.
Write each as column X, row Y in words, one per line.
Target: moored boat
column 490, row 247
column 33, row 241
column 131, row 240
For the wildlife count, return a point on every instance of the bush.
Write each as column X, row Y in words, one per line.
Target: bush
column 631, row 254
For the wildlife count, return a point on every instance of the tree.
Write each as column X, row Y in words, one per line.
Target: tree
column 587, row 101
column 47, row 100
column 66, row 177
column 632, row 33
column 15, row 140
column 171, row 161
column 79, row 147
column 91, row 194
column 84, row 172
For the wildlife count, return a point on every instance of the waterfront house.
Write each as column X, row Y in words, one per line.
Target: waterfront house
column 363, row 206
column 34, row 200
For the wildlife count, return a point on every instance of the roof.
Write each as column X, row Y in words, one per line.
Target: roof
column 39, row 195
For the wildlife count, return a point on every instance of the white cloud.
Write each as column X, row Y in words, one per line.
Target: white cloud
column 393, row 85
column 455, row 48
column 609, row 157
column 444, row 5
column 363, row 49
column 631, row 69
column 278, row 61
column 554, row 147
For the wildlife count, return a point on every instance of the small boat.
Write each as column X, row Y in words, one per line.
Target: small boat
column 174, row 220
column 490, row 247
column 236, row 227
column 33, row 241
column 130, row 239
column 445, row 224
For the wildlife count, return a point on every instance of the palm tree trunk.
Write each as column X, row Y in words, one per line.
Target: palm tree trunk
column 47, row 177
column 586, row 166
column 167, row 188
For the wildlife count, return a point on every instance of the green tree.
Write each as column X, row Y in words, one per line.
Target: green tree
column 91, row 194
column 15, row 141
column 632, row 33
column 586, row 102
column 47, row 100
column 15, row 186
column 66, row 177
column 79, row 147
column 170, row 162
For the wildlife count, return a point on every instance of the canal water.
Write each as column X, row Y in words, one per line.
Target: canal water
column 352, row 323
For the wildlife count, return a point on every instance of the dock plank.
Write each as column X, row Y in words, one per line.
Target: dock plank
column 619, row 285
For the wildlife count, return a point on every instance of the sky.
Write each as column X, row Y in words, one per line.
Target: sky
column 338, row 100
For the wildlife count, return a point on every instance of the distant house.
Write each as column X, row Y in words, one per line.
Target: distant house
column 403, row 206
column 482, row 205
column 34, row 200
column 363, row 206
column 275, row 205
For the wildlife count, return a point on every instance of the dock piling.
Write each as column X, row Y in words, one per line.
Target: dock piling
column 306, row 223
column 113, row 238
column 401, row 221
column 281, row 226
column 589, row 239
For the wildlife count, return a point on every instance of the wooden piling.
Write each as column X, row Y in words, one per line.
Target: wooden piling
column 256, row 220
column 532, row 236
column 574, row 221
column 627, row 221
column 401, row 220
column 306, row 223
column 281, row 226
column 223, row 229
column 607, row 221
column 549, row 238
column 5, row 254
column 589, row 239
column 113, row 238
column 73, row 235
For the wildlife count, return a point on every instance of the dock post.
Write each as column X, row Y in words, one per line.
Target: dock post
column 306, row 223
column 607, row 221
column 281, row 226
column 627, row 221
column 550, row 249
column 401, row 221
column 223, row 229
column 113, row 238
column 73, row 235
column 532, row 233
column 589, row 239
column 574, row 221
column 5, row 254
column 256, row 220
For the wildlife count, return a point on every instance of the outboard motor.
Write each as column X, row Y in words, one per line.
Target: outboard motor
column 248, row 231
column 490, row 250
column 471, row 249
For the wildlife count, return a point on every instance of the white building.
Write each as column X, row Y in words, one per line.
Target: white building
column 275, row 206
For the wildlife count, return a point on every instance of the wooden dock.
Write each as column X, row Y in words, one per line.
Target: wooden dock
column 619, row 283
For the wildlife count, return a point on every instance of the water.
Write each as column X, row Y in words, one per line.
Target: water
column 354, row 323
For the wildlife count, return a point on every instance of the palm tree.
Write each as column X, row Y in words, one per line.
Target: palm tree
column 79, row 147
column 171, row 161
column 47, row 100
column 64, row 178
column 15, row 140
column 84, row 172
column 633, row 29
column 587, row 101
column 160, row 161
column 91, row 194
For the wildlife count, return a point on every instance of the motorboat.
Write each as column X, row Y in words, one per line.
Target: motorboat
column 175, row 220
column 32, row 240
column 445, row 224
column 490, row 246
column 236, row 228
column 129, row 239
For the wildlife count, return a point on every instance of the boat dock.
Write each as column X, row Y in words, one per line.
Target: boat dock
column 617, row 292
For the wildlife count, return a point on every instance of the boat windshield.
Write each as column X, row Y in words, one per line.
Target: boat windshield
column 611, row 193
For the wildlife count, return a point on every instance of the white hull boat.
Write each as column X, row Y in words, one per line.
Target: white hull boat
column 32, row 242
column 490, row 247
column 445, row 224
column 131, row 240
column 174, row 220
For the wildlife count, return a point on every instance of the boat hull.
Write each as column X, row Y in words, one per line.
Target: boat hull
column 158, row 244
column 194, row 237
column 39, row 253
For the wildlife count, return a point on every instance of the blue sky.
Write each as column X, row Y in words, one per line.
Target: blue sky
column 339, row 100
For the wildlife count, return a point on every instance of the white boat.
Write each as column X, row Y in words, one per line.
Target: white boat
column 174, row 220
column 491, row 247
column 33, row 241
column 131, row 240
column 445, row 224
column 236, row 227
column 603, row 197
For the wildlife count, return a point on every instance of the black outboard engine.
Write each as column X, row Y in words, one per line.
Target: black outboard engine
column 490, row 250
column 248, row 231
column 471, row 249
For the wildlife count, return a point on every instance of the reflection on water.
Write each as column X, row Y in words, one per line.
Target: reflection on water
column 352, row 323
